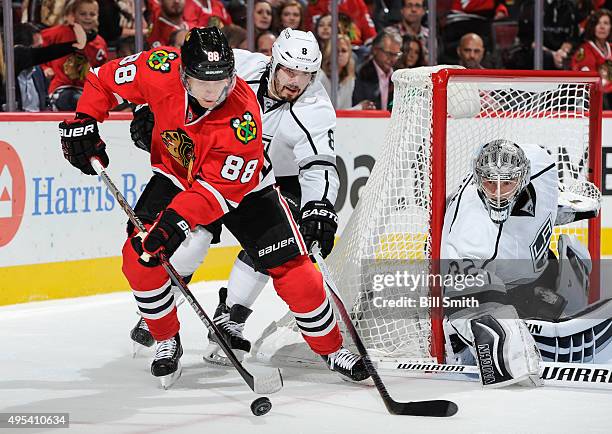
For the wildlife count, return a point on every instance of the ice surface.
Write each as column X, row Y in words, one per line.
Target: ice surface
column 75, row 356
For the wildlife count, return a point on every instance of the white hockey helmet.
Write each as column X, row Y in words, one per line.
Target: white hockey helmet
column 501, row 173
column 298, row 50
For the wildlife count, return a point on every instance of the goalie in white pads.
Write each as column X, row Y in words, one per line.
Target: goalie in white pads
column 498, row 226
column 298, row 133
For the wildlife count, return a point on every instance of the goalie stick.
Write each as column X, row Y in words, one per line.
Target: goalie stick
column 556, row 374
column 433, row 408
column 264, row 384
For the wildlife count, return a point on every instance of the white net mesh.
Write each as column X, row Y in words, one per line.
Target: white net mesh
column 391, row 222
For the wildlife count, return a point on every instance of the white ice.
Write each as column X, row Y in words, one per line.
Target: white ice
column 74, row 356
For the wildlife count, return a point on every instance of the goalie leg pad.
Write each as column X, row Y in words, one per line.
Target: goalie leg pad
column 502, row 345
column 300, row 285
column 578, row 338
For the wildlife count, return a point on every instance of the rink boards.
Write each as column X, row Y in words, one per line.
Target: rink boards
column 61, row 232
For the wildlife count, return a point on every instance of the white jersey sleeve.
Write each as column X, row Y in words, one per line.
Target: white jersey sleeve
column 309, row 128
column 249, row 66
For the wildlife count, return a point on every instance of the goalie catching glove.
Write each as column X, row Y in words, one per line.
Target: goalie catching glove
column 81, row 141
column 319, row 222
column 165, row 236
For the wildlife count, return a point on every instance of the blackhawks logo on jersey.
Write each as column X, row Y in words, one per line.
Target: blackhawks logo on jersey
column 159, row 60
column 76, row 66
column 245, row 129
column 179, row 145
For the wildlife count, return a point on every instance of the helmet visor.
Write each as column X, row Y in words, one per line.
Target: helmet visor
column 500, row 190
column 208, row 93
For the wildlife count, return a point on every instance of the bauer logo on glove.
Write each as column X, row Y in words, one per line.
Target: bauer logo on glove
column 80, row 142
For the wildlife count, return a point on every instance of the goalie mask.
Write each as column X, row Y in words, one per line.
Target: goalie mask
column 501, row 172
column 296, row 59
column 207, row 66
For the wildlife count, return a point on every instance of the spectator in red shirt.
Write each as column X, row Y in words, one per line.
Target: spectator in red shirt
column 355, row 9
column 205, row 13
column 170, row 20
column 595, row 53
column 68, row 73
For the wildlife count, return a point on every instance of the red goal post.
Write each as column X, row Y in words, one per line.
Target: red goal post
column 440, row 116
column 440, row 119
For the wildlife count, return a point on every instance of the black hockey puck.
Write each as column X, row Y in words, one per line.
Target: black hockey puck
column 261, row 406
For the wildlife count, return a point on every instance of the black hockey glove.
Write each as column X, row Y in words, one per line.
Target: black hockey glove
column 319, row 222
column 166, row 234
column 141, row 128
column 81, row 141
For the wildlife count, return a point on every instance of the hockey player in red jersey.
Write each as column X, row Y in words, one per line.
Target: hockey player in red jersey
column 208, row 162
column 69, row 71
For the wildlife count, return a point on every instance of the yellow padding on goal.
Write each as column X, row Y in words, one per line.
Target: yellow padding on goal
column 24, row 283
column 401, row 246
column 412, row 246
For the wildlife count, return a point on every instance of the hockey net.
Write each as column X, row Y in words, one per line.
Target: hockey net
column 441, row 115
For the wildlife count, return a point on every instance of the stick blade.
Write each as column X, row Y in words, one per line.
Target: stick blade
column 268, row 383
column 435, row 408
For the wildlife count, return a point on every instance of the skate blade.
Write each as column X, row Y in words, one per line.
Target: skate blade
column 215, row 356
column 168, row 380
column 137, row 349
column 365, row 382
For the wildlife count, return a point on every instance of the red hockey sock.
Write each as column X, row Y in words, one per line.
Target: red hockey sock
column 152, row 290
column 300, row 285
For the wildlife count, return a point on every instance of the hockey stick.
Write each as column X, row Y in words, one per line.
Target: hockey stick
column 433, row 408
column 557, row 374
column 266, row 384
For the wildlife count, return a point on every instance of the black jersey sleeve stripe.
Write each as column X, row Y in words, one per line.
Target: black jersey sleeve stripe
column 459, row 201
column 317, row 163
column 297, row 121
column 501, row 227
column 326, row 186
column 552, row 166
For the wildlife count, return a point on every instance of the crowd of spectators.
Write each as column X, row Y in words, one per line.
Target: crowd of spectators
column 57, row 41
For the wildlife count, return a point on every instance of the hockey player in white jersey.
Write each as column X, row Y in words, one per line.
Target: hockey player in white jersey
column 298, row 133
column 498, row 225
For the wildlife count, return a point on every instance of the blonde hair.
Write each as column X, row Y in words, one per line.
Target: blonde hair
column 349, row 70
column 73, row 5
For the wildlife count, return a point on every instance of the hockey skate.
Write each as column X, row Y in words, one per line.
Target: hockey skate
column 230, row 322
column 166, row 364
column 141, row 336
column 350, row 366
